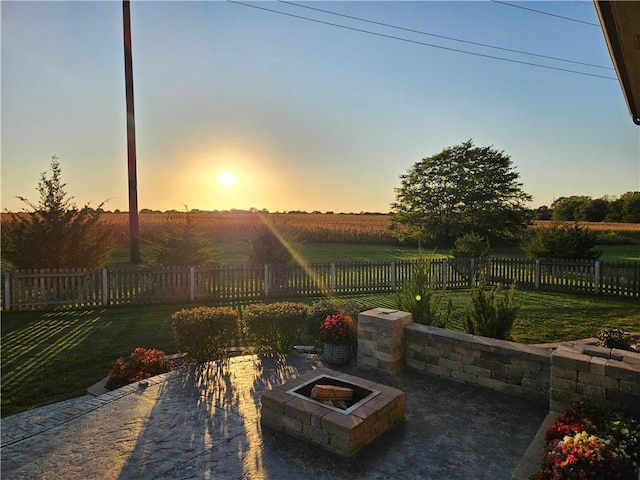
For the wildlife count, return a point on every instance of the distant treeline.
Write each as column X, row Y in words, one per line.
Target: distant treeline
column 581, row 208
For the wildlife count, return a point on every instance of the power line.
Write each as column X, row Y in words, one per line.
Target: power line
column 546, row 13
column 549, row 67
column 446, row 37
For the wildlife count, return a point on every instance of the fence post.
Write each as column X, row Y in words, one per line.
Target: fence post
column 7, row 291
column 393, row 274
column 266, row 280
column 445, row 269
column 332, row 279
column 192, row 283
column 105, row 287
column 596, row 279
column 472, row 272
column 537, row 279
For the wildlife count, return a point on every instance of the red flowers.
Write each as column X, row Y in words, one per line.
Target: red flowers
column 141, row 364
column 338, row 329
column 591, row 442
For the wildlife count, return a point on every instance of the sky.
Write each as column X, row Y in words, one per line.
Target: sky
column 308, row 110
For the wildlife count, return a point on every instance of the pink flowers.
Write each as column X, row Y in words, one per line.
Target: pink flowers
column 338, row 329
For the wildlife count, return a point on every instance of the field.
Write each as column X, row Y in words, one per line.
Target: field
column 52, row 356
column 307, row 227
column 233, row 227
column 330, row 237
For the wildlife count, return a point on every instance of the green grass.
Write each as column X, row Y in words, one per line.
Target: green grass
column 352, row 252
column 52, row 356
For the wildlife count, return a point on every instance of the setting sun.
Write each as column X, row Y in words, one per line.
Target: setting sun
column 227, row 179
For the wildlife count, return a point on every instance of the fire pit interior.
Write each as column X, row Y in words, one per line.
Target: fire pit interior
column 338, row 412
column 345, row 398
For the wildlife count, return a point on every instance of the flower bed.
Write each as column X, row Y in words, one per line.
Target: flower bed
column 140, row 365
column 589, row 441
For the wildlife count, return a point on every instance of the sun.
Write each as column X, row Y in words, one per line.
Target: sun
column 227, row 179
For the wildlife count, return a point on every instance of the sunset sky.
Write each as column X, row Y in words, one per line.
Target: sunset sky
column 307, row 110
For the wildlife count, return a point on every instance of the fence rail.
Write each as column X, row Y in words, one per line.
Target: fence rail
column 74, row 288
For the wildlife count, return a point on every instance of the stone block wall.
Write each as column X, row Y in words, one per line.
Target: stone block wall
column 586, row 372
column 381, row 339
column 388, row 340
column 500, row 365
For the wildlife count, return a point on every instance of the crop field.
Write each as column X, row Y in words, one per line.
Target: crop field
column 597, row 226
column 230, row 227
column 224, row 227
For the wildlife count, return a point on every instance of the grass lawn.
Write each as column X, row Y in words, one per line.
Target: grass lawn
column 354, row 252
column 52, row 356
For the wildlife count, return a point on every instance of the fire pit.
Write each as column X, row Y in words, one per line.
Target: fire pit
column 338, row 412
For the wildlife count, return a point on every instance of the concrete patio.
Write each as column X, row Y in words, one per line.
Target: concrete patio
column 204, row 423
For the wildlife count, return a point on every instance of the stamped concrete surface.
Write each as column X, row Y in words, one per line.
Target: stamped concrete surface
column 204, row 423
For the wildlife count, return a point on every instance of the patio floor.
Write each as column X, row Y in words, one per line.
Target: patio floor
column 204, row 423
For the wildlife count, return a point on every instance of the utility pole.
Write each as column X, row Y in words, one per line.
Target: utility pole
column 134, row 222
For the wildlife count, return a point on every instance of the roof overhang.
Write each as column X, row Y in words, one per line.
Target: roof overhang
column 620, row 22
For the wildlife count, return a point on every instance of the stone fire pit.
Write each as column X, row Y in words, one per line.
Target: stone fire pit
column 344, row 427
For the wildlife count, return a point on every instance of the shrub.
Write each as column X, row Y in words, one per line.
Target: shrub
column 489, row 313
column 590, row 441
column 615, row 338
column 268, row 245
column 275, row 327
column 204, row 333
column 471, row 245
column 142, row 363
column 182, row 245
column 562, row 242
column 421, row 297
column 338, row 329
column 320, row 310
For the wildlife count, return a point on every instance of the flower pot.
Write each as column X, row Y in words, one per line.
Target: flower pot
column 336, row 354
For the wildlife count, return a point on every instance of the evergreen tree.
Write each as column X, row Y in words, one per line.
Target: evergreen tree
column 54, row 233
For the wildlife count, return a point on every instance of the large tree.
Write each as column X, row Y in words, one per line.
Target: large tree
column 54, row 233
column 462, row 189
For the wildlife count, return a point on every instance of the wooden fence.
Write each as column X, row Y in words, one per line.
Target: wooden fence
column 77, row 288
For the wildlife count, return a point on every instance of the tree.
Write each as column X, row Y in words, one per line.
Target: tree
column 564, row 242
column 568, row 209
column 630, row 207
column 55, row 233
column 463, row 188
column 542, row 213
column 491, row 312
column 268, row 246
column 421, row 296
column 181, row 244
column 593, row 210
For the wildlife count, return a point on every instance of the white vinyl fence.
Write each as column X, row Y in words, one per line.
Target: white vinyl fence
column 76, row 288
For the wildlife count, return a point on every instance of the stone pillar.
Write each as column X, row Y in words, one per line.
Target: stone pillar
column 381, row 339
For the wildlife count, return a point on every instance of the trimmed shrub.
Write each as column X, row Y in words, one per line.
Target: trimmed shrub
column 489, row 313
column 141, row 364
column 421, row 297
column 471, row 245
column 275, row 327
column 204, row 333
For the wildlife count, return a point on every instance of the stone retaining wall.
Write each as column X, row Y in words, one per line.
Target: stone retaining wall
column 587, row 372
column 388, row 340
column 500, row 365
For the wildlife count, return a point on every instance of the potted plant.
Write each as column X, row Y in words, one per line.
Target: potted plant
column 338, row 333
